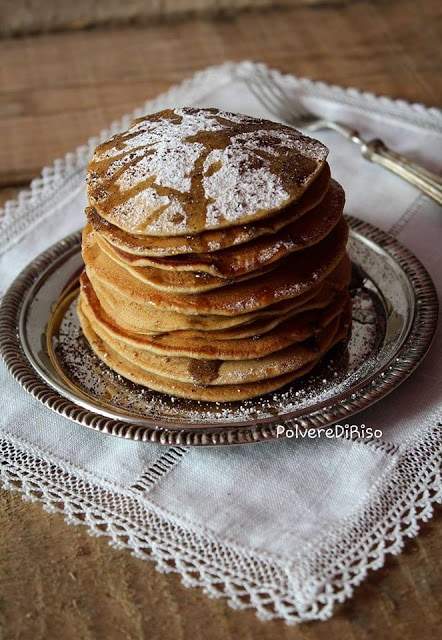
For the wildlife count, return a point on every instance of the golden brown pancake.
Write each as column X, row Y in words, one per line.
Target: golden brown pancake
column 172, row 280
column 233, row 380
column 295, row 327
column 184, row 171
column 210, row 240
column 248, row 325
column 242, row 260
column 215, row 255
column 152, row 321
column 288, row 279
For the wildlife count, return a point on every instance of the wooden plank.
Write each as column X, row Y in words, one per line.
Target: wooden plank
column 56, row 91
column 60, row 583
column 34, row 16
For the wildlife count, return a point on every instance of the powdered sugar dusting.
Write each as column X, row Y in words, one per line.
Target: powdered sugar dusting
column 186, row 170
column 233, row 196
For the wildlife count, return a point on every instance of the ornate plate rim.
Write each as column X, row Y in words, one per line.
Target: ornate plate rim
column 408, row 356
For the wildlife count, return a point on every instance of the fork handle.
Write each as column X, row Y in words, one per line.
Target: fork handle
column 428, row 182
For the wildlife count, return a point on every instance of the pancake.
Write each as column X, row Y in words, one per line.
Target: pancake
column 184, row 171
column 151, row 321
column 172, row 280
column 204, row 373
column 216, row 266
column 170, row 386
column 294, row 327
column 210, row 240
column 248, row 257
column 290, row 278
column 237, row 371
column 253, row 324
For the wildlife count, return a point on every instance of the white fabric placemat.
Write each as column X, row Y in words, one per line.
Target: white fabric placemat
column 287, row 527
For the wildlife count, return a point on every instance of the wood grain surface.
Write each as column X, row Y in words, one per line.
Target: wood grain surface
column 58, row 90
column 56, row 581
column 34, row 16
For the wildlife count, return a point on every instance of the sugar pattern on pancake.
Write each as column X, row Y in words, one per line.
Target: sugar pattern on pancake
column 215, row 255
column 183, row 171
column 211, row 239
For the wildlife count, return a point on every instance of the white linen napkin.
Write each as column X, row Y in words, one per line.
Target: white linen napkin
column 287, row 527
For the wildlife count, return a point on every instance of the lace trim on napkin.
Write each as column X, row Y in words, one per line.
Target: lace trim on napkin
column 326, row 572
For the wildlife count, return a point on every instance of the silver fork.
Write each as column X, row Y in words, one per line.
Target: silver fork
column 275, row 99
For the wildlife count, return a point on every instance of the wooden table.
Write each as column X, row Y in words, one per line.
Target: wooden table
column 57, row 90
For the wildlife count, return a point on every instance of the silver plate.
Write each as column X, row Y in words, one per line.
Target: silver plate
column 395, row 312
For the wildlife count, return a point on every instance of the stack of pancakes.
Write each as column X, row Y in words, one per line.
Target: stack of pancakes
column 215, row 255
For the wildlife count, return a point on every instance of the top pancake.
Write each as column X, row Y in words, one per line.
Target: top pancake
column 212, row 239
column 185, row 171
